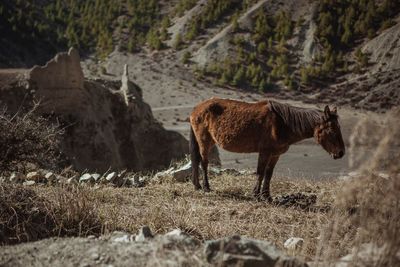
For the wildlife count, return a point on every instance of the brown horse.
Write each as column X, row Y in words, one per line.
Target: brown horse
column 267, row 127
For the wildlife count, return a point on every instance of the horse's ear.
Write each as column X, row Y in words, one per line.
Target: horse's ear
column 327, row 111
column 334, row 110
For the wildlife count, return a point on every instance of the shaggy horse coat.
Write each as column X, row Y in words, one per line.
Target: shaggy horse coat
column 267, row 127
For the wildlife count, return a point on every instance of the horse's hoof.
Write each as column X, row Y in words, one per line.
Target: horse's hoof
column 207, row 189
column 197, row 187
column 266, row 198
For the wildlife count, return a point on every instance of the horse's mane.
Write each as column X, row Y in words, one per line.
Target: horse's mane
column 300, row 120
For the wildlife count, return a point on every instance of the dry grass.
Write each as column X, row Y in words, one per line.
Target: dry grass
column 363, row 210
column 26, row 215
column 368, row 209
column 229, row 209
column 26, row 138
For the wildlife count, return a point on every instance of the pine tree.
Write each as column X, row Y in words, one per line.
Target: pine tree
column 177, row 42
column 239, row 76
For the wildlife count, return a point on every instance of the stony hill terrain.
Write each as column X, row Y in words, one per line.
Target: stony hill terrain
column 107, row 124
column 333, row 51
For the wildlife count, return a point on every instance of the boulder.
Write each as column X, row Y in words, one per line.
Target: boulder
column 109, row 124
column 239, row 251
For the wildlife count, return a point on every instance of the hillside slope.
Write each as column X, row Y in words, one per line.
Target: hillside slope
column 309, row 50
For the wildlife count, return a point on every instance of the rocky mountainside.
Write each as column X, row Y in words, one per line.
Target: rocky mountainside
column 107, row 124
column 342, row 52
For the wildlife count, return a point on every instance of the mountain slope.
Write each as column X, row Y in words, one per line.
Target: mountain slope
column 309, row 50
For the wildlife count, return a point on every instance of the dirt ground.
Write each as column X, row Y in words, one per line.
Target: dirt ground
column 172, row 91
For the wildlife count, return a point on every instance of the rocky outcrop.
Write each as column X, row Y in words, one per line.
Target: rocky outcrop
column 384, row 50
column 107, row 124
column 175, row 248
column 239, row 251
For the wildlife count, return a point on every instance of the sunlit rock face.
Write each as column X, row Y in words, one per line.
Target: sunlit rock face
column 107, row 124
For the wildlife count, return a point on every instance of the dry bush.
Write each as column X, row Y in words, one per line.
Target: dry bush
column 28, row 216
column 27, row 138
column 367, row 210
column 23, row 215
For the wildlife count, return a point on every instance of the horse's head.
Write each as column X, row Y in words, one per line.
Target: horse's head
column 328, row 133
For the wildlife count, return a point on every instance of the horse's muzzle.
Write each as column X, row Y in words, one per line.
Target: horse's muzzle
column 338, row 155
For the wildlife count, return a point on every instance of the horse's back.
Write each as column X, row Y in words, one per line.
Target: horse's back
column 234, row 125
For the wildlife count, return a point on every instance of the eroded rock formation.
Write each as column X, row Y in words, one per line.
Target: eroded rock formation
column 107, row 123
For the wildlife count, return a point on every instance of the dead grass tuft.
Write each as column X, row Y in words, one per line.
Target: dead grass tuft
column 367, row 210
column 28, row 139
column 26, row 215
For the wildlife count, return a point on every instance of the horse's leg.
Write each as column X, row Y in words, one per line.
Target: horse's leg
column 265, row 193
column 262, row 162
column 195, row 158
column 207, row 144
column 206, row 185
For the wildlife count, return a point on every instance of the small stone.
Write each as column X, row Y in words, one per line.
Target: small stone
column 71, row 180
column 16, row 177
column 86, row 178
column 111, row 177
column 123, row 239
column 175, row 232
column 35, row 176
column 96, row 176
column 50, row 177
column 29, row 183
column 293, row 243
column 144, row 234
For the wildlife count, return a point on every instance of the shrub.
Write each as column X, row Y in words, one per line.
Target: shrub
column 186, row 57
column 367, row 210
column 27, row 138
column 27, row 216
column 177, row 42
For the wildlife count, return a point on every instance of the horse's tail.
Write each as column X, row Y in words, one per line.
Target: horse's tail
column 195, row 156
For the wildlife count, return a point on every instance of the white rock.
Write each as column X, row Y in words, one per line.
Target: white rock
column 96, row 176
column 384, row 175
column 87, row 177
column 293, row 243
column 125, row 238
column 16, row 177
column 29, row 183
column 183, row 173
column 71, row 180
column 175, row 232
column 50, row 177
column 111, row 176
column 35, row 176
